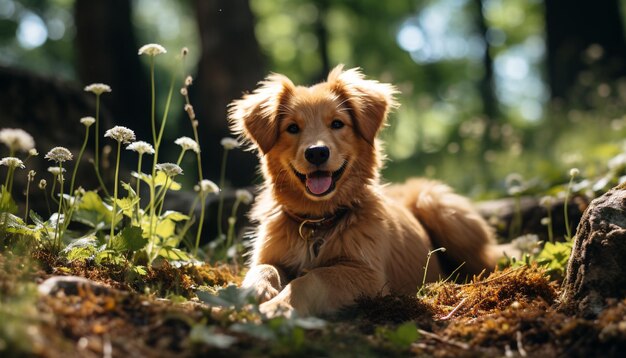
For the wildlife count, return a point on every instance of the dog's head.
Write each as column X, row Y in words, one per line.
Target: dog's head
column 317, row 144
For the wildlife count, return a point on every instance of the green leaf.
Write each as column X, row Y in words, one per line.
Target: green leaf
column 231, row 296
column 173, row 254
column 139, row 270
column 160, row 180
column 92, row 211
column 127, row 205
column 208, row 335
column 174, row 216
column 7, row 204
column 80, row 253
column 403, row 336
column 130, row 239
column 165, row 228
column 259, row 331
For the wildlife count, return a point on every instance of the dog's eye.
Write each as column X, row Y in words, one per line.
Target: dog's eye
column 336, row 124
column 293, row 129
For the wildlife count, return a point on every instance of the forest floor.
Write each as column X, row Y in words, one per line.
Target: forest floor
column 511, row 312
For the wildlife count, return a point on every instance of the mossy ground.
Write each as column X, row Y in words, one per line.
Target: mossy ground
column 510, row 312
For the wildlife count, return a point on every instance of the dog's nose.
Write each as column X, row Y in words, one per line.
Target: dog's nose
column 317, row 154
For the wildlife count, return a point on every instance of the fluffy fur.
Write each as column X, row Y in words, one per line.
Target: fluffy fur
column 381, row 240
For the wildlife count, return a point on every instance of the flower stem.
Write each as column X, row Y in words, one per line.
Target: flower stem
column 138, row 187
column 565, row 205
column 117, row 167
column 26, row 209
column 57, row 236
column 220, row 206
column 80, row 155
column 231, row 224
column 200, row 222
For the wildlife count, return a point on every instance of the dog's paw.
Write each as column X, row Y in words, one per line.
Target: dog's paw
column 275, row 308
column 265, row 292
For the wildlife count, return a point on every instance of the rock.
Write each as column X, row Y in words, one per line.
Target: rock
column 71, row 285
column 597, row 267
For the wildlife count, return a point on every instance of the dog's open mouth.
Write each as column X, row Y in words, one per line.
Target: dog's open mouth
column 319, row 182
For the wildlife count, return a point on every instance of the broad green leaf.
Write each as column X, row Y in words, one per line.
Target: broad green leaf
column 139, row 270
column 127, row 205
column 259, row 331
column 402, row 336
column 160, row 180
column 208, row 335
column 174, row 216
column 7, row 204
column 109, row 256
column 173, row 254
column 130, row 239
column 80, row 253
column 231, row 296
column 93, row 211
column 165, row 228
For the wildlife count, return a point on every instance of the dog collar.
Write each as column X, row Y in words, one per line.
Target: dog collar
column 320, row 223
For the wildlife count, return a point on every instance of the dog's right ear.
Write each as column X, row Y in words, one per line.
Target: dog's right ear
column 255, row 116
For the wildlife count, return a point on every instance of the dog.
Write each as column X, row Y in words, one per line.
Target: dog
column 328, row 231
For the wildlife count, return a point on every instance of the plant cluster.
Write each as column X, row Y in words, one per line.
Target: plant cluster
column 123, row 224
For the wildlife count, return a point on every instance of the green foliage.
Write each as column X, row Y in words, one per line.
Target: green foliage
column 229, row 297
column 7, row 204
column 554, row 256
column 401, row 337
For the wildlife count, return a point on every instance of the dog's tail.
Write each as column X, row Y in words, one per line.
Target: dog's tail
column 453, row 223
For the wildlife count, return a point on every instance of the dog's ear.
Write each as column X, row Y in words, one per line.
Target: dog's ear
column 255, row 116
column 369, row 101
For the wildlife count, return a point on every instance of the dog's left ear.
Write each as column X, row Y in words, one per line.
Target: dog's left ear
column 255, row 116
column 369, row 101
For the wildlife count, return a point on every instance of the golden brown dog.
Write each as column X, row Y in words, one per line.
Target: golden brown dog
column 328, row 231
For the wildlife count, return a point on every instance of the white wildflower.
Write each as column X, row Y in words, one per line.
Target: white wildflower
column 574, row 172
column 188, row 144
column 170, row 169
column 121, row 134
column 188, row 81
column 545, row 221
column 141, row 147
column 183, row 91
column 152, row 50
column 56, row 170
column 244, row 196
column 546, row 201
column 229, row 143
column 42, row 184
column 17, row 139
column 12, row 162
column 618, row 162
column 87, row 121
column 59, row 154
column 31, row 175
column 207, row 187
column 526, row 243
column 33, row 152
column 97, row 88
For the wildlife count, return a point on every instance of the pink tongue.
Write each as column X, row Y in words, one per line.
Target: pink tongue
column 319, row 185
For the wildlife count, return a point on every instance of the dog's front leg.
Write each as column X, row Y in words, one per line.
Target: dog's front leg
column 325, row 290
column 267, row 281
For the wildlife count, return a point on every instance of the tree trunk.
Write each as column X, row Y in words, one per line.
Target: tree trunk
column 106, row 52
column 572, row 26
column 231, row 63
column 597, row 270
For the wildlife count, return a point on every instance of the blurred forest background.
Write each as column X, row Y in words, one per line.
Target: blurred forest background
column 489, row 87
